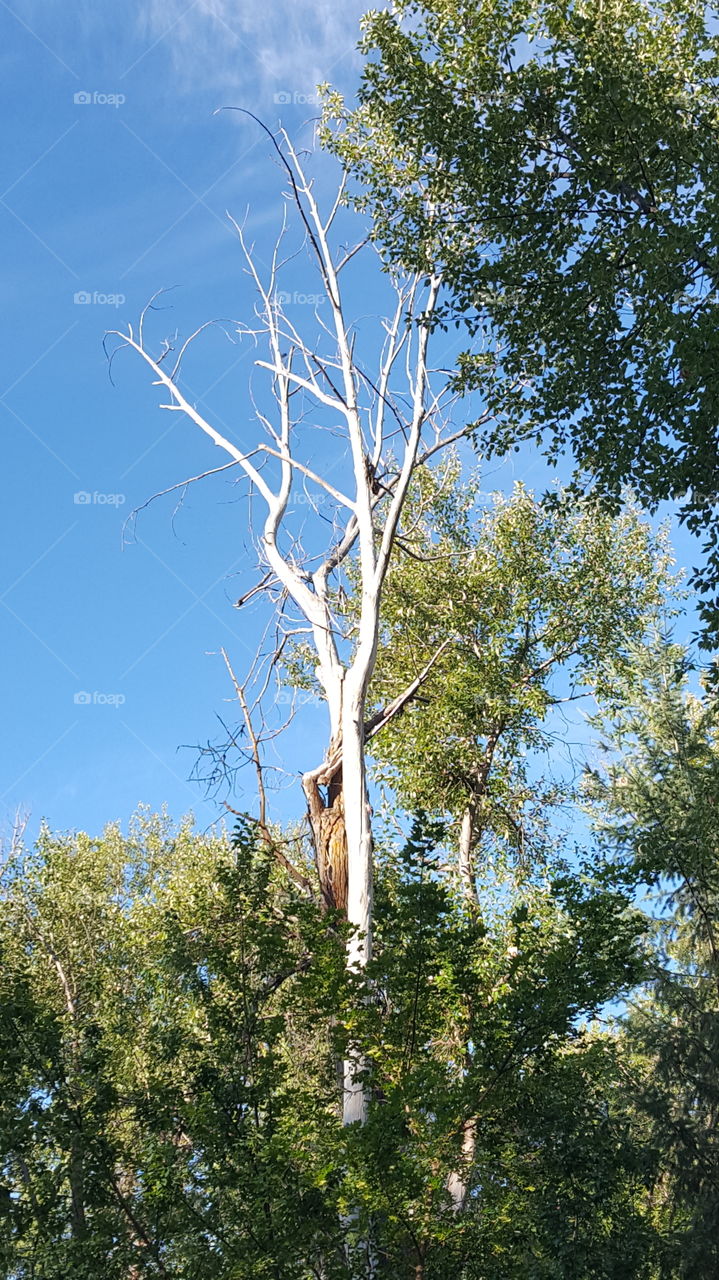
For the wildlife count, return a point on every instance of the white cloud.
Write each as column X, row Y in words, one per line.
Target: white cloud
column 250, row 47
column 239, row 50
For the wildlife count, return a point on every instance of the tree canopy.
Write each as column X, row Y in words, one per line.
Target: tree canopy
column 556, row 160
column 173, row 1012
column 532, row 607
column 176, row 1006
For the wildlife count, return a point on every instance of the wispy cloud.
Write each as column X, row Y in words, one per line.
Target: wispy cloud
column 242, row 46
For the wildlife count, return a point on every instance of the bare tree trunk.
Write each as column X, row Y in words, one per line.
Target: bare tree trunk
column 466, row 856
column 359, row 881
column 457, row 1181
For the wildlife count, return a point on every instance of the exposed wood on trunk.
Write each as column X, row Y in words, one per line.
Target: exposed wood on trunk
column 327, row 821
column 327, row 812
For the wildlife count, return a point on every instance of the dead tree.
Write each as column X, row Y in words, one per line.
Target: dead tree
column 369, row 423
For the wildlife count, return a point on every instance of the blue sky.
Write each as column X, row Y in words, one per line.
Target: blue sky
column 116, row 178
column 114, row 198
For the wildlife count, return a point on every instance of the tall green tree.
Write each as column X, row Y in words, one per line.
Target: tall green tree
column 528, row 609
column 556, row 161
column 659, row 797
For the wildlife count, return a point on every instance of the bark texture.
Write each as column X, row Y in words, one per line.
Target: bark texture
column 329, row 834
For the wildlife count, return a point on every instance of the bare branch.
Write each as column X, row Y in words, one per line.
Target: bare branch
column 270, row 843
column 382, row 718
column 262, row 585
column 182, row 484
column 312, row 475
column 182, row 405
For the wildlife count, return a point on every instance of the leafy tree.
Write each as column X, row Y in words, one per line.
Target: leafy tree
column 530, row 607
column 556, row 161
column 504, row 997
column 151, row 1040
column 178, row 1114
column 659, row 796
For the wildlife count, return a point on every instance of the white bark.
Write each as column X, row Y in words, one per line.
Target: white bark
column 359, row 877
column 466, row 856
column 457, row 1182
column 382, row 438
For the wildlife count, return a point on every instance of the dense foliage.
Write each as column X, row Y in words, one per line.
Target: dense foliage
column 557, row 160
column 172, row 1014
column 176, row 1007
column 539, row 606
column 658, row 800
